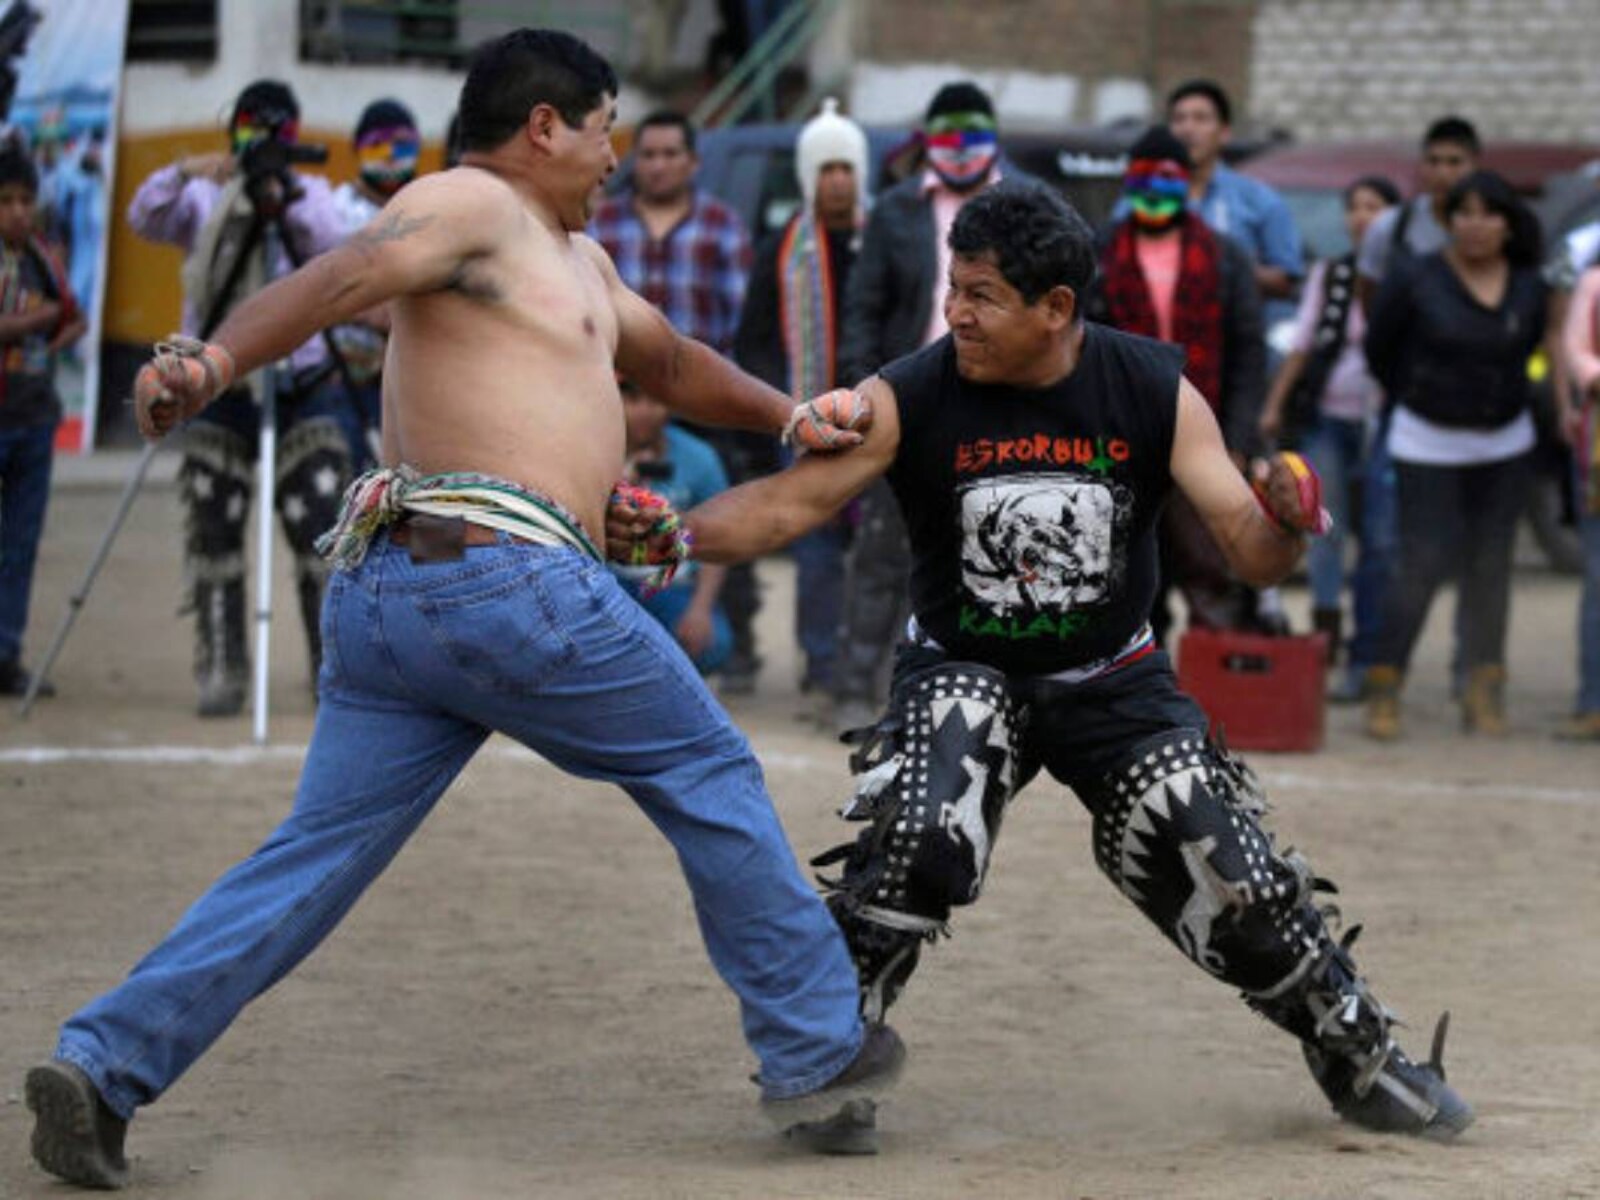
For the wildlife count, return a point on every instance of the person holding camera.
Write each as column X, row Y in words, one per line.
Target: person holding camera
column 245, row 217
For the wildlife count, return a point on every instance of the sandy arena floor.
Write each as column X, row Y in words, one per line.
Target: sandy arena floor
column 521, row 1006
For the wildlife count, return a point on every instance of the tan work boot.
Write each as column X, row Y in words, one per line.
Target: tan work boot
column 1383, row 703
column 1483, row 703
column 1585, row 727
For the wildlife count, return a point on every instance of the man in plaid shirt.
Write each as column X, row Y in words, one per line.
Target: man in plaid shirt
column 689, row 254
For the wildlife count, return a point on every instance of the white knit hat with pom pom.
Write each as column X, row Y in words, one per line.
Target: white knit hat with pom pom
column 829, row 137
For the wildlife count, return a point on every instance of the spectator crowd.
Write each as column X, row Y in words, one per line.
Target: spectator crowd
column 1405, row 383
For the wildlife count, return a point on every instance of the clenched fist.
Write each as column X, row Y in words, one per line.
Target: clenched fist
column 182, row 378
column 1290, row 493
column 834, row 420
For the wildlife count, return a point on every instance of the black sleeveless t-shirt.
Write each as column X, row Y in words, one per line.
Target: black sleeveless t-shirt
column 1032, row 511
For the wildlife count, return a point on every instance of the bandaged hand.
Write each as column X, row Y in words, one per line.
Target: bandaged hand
column 644, row 530
column 183, row 377
column 1290, row 494
column 835, row 420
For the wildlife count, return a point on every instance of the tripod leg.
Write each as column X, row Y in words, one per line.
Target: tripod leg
column 130, row 491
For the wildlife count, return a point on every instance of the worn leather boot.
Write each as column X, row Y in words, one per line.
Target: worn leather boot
column 1483, row 701
column 1383, row 703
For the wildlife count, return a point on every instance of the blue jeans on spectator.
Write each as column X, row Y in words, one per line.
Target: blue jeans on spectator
column 1589, row 616
column 819, row 600
column 421, row 663
column 26, row 456
column 1334, row 448
column 668, row 607
column 1379, row 542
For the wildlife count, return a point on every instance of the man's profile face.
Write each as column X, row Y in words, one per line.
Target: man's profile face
column 1195, row 121
column 586, row 158
column 663, row 165
column 998, row 335
column 836, row 193
column 1445, row 164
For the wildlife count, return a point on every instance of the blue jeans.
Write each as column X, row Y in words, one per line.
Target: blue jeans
column 668, row 606
column 1589, row 616
column 819, row 599
column 1376, row 552
column 421, row 662
column 1334, row 448
column 26, row 456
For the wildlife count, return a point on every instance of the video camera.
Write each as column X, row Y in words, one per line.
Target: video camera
column 267, row 157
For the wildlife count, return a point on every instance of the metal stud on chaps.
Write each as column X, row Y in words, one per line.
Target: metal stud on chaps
column 933, row 778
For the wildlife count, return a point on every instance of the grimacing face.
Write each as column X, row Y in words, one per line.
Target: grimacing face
column 999, row 337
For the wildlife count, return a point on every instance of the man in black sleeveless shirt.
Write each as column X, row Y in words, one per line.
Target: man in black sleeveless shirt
column 1031, row 453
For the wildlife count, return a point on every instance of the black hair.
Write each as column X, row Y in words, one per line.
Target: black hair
column 510, row 75
column 1160, row 143
column 384, row 114
column 963, row 96
column 1381, row 184
column 1037, row 239
column 1203, row 87
column 1458, row 131
column 268, row 101
column 1498, row 196
column 16, row 166
column 452, row 141
column 666, row 118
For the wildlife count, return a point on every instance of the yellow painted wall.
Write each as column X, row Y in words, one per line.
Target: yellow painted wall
column 143, row 297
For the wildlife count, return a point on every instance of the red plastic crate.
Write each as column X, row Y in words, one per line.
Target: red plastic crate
column 1264, row 693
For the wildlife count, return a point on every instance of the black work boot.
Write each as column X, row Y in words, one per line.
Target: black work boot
column 1391, row 1094
column 221, row 666
column 76, row 1136
column 840, row 1117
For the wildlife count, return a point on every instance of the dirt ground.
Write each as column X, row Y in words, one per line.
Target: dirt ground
column 521, row 1006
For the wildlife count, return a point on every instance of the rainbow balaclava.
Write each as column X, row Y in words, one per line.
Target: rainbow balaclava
column 265, row 109
column 961, row 136
column 387, row 144
column 1156, row 183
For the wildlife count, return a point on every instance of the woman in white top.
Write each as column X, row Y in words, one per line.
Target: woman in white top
column 1449, row 336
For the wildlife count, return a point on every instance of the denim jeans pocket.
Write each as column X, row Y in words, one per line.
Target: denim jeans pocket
column 504, row 636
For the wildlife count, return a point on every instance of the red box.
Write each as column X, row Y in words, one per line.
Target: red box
column 1262, row 693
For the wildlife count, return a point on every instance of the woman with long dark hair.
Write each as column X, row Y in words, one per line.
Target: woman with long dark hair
column 1449, row 336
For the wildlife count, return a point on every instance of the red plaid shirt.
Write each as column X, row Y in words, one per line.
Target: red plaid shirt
column 695, row 275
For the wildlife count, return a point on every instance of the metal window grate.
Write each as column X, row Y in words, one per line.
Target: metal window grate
column 172, row 31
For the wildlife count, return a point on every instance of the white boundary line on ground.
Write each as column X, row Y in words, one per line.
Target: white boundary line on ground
column 245, row 755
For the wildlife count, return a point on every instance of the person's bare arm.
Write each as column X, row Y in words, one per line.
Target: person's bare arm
column 1259, row 552
column 1271, row 423
column 688, row 377
column 757, row 517
column 1274, row 282
column 419, row 242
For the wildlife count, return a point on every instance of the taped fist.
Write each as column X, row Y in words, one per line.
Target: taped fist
column 644, row 530
column 183, row 377
column 834, row 420
column 1290, row 494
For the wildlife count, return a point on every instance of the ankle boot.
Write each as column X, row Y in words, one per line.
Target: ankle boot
column 1331, row 622
column 1483, row 701
column 1383, row 703
column 221, row 666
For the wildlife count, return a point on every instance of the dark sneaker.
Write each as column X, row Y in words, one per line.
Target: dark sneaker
column 1401, row 1096
column 840, row 1117
column 15, row 680
column 76, row 1135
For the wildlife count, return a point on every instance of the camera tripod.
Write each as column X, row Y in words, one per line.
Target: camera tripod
column 267, row 234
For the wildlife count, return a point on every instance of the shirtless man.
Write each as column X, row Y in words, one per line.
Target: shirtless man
column 473, row 598
column 1024, row 416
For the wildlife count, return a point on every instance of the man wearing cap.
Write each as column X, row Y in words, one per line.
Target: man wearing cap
column 895, row 305
column 387, row 144
column 213, row 207
column 789, row 336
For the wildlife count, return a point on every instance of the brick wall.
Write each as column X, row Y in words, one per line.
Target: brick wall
column 1385, row 68
column 1156, row 42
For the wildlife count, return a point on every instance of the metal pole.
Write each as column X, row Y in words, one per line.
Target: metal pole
column 75, row 602
column 266, row 498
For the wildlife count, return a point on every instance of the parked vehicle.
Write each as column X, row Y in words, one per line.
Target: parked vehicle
column 1312, row 179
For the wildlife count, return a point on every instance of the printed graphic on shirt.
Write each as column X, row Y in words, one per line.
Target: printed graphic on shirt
column 1036, row 552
